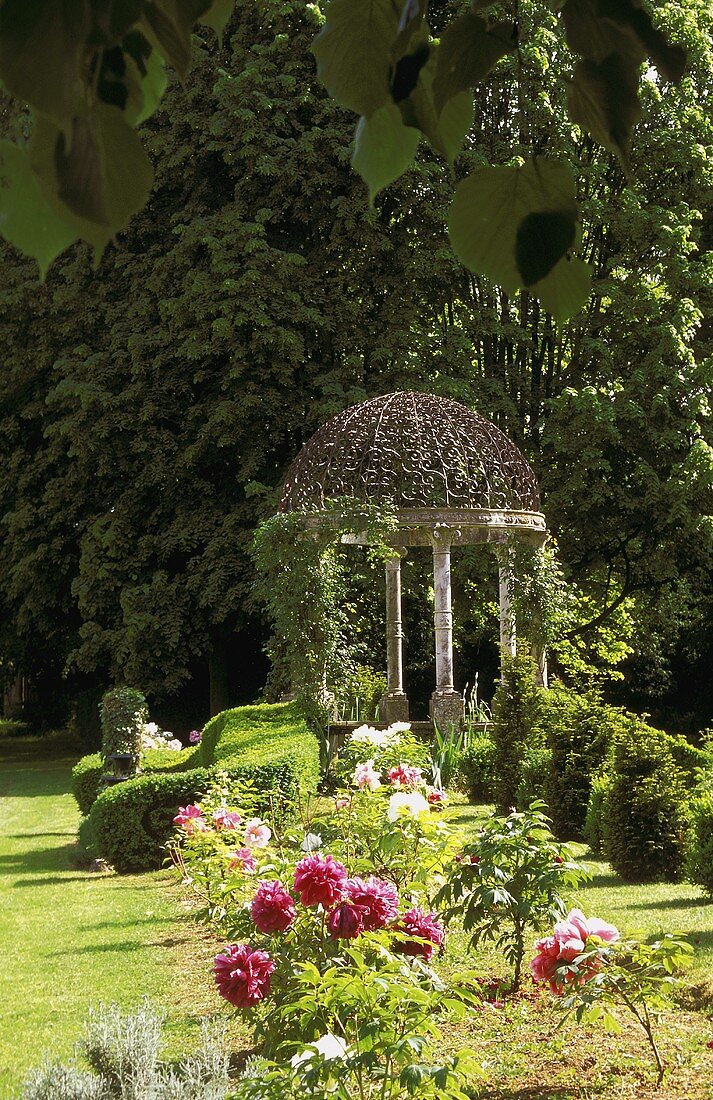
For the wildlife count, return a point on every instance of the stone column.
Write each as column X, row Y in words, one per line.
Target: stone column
column 446, row 703
column 394, row 705
column 508, row 635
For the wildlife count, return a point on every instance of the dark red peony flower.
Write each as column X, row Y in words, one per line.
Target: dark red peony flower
column 416, row 922
column 376, row 900
column 242, row 974
column 272, row 908
column 320, row 880
column 345, row 922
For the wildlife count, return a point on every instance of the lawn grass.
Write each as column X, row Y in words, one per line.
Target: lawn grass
column 70, row 939
column 529, row 1053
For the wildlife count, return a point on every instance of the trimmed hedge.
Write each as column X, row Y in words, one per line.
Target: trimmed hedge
column 86, row 777
column 130, row 823
column 87, row 773
column 268, row 746
column 644, row 817
column 699, row 849
column 476, row 767
column 516, row 726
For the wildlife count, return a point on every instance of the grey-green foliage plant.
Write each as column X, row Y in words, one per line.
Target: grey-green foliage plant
column 122, row 1050
column 123, row 716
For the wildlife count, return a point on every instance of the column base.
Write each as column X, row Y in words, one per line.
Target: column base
column 393, row 707
column 447, row 709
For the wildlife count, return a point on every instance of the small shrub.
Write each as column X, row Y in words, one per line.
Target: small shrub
column 645, row 821
column 517, row 716
column 535, row 771
column 699, row 848
column 387, row 748
column 86, row 780
column 12, row 727
column 123, row 716
column 476, row 767
column 596, row 811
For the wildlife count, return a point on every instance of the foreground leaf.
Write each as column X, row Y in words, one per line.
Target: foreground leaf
column 466, row 54
column 26, row 218
column 384, row 148
column 491, row 203
column 353, row 52
column 603, row 99
column 42, row 47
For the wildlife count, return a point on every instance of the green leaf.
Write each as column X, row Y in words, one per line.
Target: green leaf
column 630, row 15
column 353, row 52
column 566, row 289
column 26, row 219
column 603, row 99
column 218, row 15
column 466, row 54
column 384, row 148
column 168, row 25
column 490, row 204
column 42, row 55
column 595, row 38
column 445, row 132
column 101, row 180
column 145, row 90
column 542, row 239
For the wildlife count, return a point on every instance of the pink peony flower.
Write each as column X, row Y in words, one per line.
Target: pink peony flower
column 243, row 974
column 342, row 803
column 272, row 908
column 226, row 819
column 376, row 900
column 366, row 776
column 416, row 922
column 244, row 859
column 568, row 941
column 191, row 819
column 257, row 834
column 345, row 922
column 320, row 880
column 405, row 776
column 194, row 737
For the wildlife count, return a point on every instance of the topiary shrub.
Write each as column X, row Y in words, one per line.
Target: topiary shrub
column 476, row 767
column 123, row 717
column 516, row 725
column 535, row 769
column 266, row 747
column 596, row 811
column 86, row 780
column 644, row 824
column 699, row 845
column 580, row 730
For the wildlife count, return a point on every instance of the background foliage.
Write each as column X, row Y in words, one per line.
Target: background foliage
column 148, row 410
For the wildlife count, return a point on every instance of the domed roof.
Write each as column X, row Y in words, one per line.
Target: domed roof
column 414, row 451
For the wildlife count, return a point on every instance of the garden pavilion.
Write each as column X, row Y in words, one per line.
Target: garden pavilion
column 453, row 478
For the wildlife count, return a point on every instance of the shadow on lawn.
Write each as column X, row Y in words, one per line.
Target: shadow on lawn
column 41, row 859
column 680, row 903
column 529, row 1092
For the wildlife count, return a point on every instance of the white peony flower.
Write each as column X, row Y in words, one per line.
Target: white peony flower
column 175, row 744
column 311, row 842
column 362, row 734
column 328, row 1047
column 407, row 804
column 398, row 727
column 151, row 729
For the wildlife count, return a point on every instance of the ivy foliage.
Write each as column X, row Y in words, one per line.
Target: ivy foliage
column 303, row 585
column 91, row 71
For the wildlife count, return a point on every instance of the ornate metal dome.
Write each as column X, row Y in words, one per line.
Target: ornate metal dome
column 420, row 453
